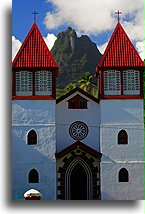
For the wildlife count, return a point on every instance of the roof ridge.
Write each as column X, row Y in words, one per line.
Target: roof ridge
column 79, row 90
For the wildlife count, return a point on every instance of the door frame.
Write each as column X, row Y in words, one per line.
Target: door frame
column 68, row 177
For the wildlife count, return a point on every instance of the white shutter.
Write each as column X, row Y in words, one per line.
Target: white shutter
column 23, row 83
column 131, row 82
column 43, row 83
column 112, row 82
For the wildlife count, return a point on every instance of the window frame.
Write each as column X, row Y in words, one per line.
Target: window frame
column 122, row 71
column 37, row 178
column 33, row 92
column 29, row 83
column 116, row 91
column 122, row 131
column 28, row 139
column 78, row 99
column 136, row 82
column 122, row 179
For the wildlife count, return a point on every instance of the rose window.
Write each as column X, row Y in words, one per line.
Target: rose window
column 78, row 130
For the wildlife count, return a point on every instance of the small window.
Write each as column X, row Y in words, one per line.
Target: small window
column 43, row 83
column 112, row 82
column 83, row 103
column 131, row 82
column 33, row 176
column 77, row 102
column 73, row 104
column 122, row 137
column 123, row 175
column 32, row 138
column 23, row 83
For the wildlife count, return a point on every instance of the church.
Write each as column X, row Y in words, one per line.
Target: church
column 78, row 147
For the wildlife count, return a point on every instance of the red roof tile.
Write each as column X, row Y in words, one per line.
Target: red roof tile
column 34, row 52
column 120, row 52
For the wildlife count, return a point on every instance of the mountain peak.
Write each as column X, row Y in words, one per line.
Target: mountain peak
column 74, row 56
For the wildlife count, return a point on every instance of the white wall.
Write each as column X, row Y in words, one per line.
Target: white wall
column 65, row 117
column 111, row 189
column 115, row 116
column 40, row 116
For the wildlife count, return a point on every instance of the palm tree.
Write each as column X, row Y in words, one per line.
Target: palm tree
column 87, row 84
column 69, row 87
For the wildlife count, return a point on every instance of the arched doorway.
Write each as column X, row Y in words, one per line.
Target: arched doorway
column 78, row 183
column 76, row 163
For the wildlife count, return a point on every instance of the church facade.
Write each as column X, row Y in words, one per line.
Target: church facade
column 78, row 147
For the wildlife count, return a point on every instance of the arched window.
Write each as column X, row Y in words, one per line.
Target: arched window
column 123, row 175
column 32, row 138
column 33, row 176
column 122, row 137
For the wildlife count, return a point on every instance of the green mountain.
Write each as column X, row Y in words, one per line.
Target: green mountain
column 74, row 56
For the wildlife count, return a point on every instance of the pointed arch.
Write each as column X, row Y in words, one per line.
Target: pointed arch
column 88, row 174
column 33, row 176
column 122, row 137
column 32, row 137
column 123, row 175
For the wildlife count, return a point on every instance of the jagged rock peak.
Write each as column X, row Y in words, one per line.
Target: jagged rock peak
column 68, row 32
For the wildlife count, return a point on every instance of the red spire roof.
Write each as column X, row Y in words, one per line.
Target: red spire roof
column 120, row 52
column 34, row 52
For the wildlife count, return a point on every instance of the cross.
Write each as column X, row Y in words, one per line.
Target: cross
column 118, row 13
column 35, row 13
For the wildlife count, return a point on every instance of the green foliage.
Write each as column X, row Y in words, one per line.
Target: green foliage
column 66, row 89
column 87, row 83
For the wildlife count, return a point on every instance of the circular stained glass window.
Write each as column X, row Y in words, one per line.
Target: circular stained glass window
column 78, row 130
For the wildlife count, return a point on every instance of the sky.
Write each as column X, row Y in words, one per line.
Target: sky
column 95, row 18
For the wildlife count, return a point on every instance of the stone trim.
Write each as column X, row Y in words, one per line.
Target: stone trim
column 94, row 169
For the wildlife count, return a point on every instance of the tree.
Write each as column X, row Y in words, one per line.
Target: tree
column 69, row 87
column 61, row 92
column 87, row 83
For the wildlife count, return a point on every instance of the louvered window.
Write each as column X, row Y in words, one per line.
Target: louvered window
column 43, row 83
column 23, row 83
column 131, row 82
column 112, row 82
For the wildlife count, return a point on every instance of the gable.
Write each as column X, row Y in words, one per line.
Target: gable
column 79, row 145
column 34, row 52
column 120, row 52
column 74, row 92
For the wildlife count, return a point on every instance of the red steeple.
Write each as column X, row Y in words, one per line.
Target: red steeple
column 34, row 69
column 120, row 52
column 34, row 52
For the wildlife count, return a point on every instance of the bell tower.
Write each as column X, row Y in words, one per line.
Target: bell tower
column 120, row 69
column 120, row 80
column 34, row 73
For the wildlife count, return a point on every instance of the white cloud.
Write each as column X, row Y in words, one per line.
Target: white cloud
column 102, row 47
column 93, row 17
column 140, row 49
column 16, row 44
column 49, row 40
